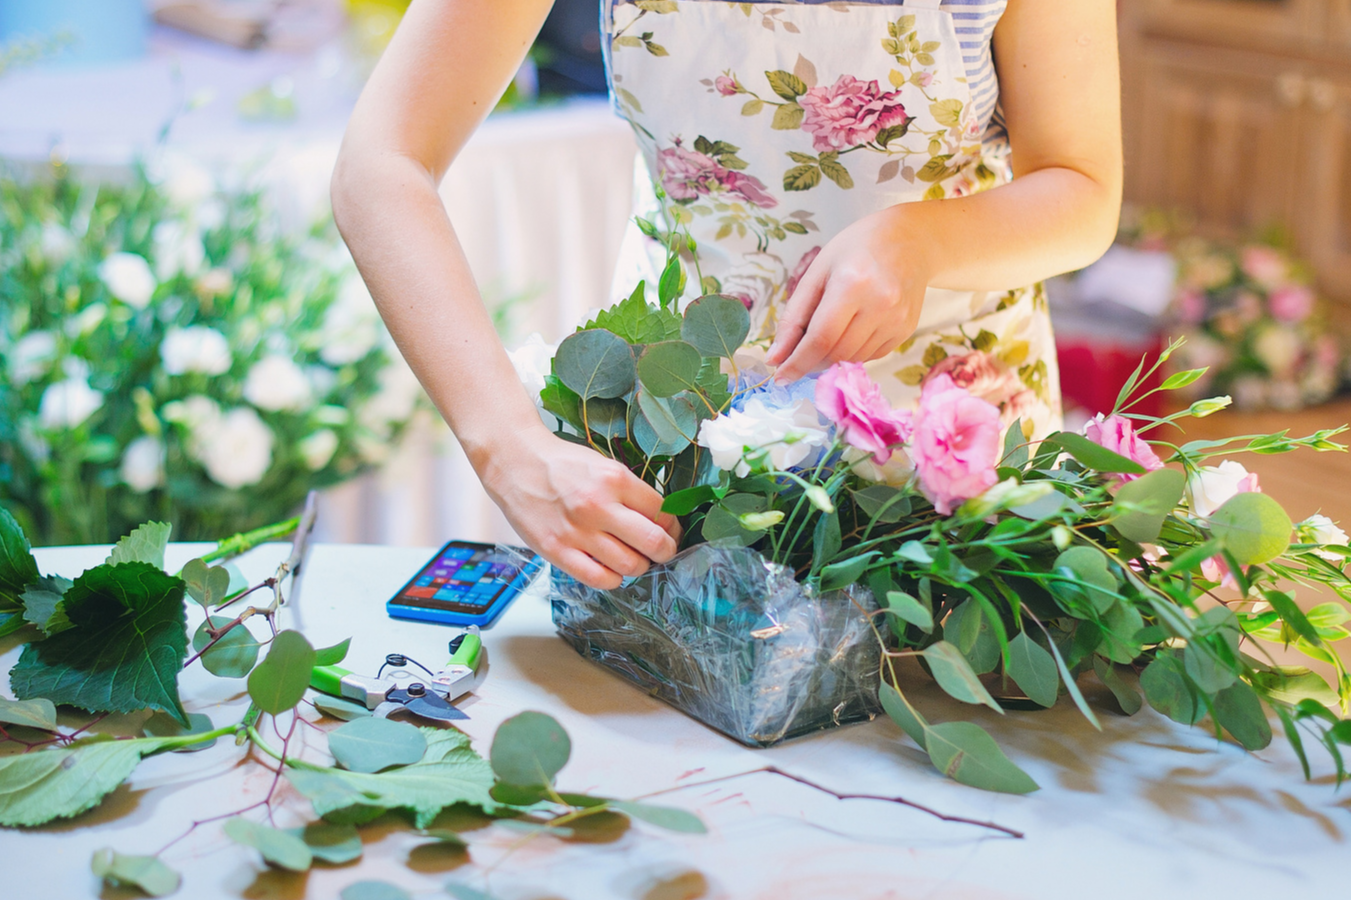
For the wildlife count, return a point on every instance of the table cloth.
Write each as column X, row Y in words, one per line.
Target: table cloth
column 1144, row 808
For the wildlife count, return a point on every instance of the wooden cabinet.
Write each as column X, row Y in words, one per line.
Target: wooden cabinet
column 1238, row 113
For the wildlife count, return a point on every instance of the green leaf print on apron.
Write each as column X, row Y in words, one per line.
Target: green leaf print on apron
column 773, row 126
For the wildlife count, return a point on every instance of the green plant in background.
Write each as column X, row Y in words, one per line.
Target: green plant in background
column 171, row 352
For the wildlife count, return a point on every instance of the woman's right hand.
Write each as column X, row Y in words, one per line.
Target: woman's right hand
column 583, row 512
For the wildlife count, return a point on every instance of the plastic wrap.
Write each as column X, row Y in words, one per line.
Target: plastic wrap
column 733, row 641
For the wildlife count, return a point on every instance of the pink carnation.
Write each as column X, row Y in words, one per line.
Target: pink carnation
column 801, row 268
column 849, row 113
column 725, row 85
column 853, row 401
column 1117, row 434
column 1291, row 304
column 979, row 373
column 956, row 444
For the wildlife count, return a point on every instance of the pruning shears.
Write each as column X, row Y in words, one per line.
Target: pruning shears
column 395, row 686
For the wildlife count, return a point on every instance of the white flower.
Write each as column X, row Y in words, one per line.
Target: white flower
column 196, row 348
column 532, row 361
column 1319, row 529
column 86, row 320
column 317, row 449
column 235, row 449
column 394, row 402
column 1211, row 486
column 178, row 249
column 143, row 464
column 128, row 278
column 789, row 435
column 276, row 383
column 896, row 471
column 351, row 325
column 186, row 182
column 192, row 413
column 1278, row 348
column 67, row 404
column 56, row 243
column 31, row 356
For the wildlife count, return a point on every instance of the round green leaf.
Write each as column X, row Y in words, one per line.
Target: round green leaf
column 232, row 656
column 280, row 680
column 669, row 367
column 165, row 725
column 278, row 847
column 338, row 708
column 529, row 749
column 1253, row 527
column 664, row 425
column 716, row 325
column 208, row 586
column 1240, row 712
column 607, row 418
column 964, row 752
column 374, row 890
column 331, row 656
column 954, row 675
column 907, row 608
column 372, row 743
column 1169, row 691
column 144, row 872
column 596, row 363
column 329, row 842
column 1140, row 506
column 1088, row 566
column 667, row 817
column 969, row 630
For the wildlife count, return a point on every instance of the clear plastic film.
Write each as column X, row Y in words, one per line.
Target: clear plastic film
column 733, row 641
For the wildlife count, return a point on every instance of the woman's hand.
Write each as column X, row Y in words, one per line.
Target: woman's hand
column 586, row 514
column 859, row 299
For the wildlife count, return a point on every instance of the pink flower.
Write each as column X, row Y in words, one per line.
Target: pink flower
column 801, row 268
column 1264, row 265
column 979, row 373
column 1291, row 304
column 925, row 79
column 848, row 397
column 725, row 85
column 746, row 299
column 688, row 174
column 849, row 113
column 1191, row 306
column 748, row 187
column 956, row 444
column 1117, row 434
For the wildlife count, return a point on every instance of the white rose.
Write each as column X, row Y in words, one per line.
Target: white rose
column 1211, row 486
column 31, row 356
column 317, row 449
column 143, row 464
column 1320, row 529
column 1278, row 348
column 178, row 249
column 196, row 348
column 275, row 383
column 235, row 449
column 351, row 325
column 128, row 278
column 67, row 404
column 532, row 361
column 790, row 435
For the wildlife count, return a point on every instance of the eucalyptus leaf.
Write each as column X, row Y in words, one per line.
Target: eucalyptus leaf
column 1015, row 454
column 162, row 725
column 280, row 848
column 529, row 749
column 907, row 608
column 1127, row 697
column 1254, row 528
column 607, row 418
column 964, row 752
column 595, row 363
column 716, row 325
column 206, row 585
column 37, row 713
column 338, row 708
column 1033, row 669
column 331, row 656
column 1140, row 506
column 902, row 713
column 1239, row 711
column 668, row 817
column 145, row 544
column 955, row 676
column 669, row 367
column 279, row 681
column 1168, row 690
column 371, row 744
column 665, row 425
column 883, row 503
column 330, row 843
column 1095, row 456
column 145, row 873
column 842, row 574
column 233, row 656
column 969, row 630
column 374, row 890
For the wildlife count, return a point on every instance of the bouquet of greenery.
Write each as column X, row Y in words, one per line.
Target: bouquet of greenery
column 1009, row 568
column 170, row 351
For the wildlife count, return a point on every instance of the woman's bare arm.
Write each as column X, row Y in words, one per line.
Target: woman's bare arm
column 1060, row 89
column 441, row 75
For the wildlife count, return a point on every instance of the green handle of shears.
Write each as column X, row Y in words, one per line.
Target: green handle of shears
column 328, row 679
column 468, row 652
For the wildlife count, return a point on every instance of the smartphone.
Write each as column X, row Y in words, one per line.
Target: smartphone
column 466, row 583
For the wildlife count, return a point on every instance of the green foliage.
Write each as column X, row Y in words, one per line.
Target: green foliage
column 164, row 725
column 1033, row 669
column 145, row 873
column 61, row 782
column 1253, row 527
column 374, row 890
column 716, row 325
column 279, row 848
column 330, row 843
column 206, row 585
column 595, row 363
column 669, row 367
column 529, row 749
column 372, row 744
column 280, row 680
column 331, row 656
column 338, row 708
column 667, row 817
column 233, row 656
column 18, row 569
column 44, row 604
column 145, row 544
column 124, row 648
column 1141, row 505
column 1095, row 456
column 955, row 675
column 965, row 752
column 39, row 713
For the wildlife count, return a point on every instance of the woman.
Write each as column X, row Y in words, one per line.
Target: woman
column 795, row 141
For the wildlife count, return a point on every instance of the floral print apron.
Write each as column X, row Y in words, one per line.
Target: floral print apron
column 773, row 126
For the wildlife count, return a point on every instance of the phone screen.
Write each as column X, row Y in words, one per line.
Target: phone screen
column 464, row 577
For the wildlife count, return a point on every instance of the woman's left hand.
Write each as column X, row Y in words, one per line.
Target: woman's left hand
column 859, row 299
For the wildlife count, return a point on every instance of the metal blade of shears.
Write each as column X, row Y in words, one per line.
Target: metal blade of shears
column 429, row 706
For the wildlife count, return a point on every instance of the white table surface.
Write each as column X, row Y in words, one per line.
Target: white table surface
column 1144, row 809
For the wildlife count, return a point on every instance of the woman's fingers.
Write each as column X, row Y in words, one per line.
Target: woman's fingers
column 832, row 317
column 798, row 314
column 617, row 556
column 586, row 570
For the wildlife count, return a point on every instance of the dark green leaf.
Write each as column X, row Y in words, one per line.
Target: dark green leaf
column 906, row 607
column 1254, row 528
column 232, row 656
column 18, row 569
column 124, row 650
column 44, row 604
column 1067, row 678
column 330, row 843
column 716, row 325
column 145, row 544
column 1033, row 669
column 667, row 817
column 1127, row 697
column 1168, row 690
column 561, row 402
column 331, row 656
column 964, row 752
column 1088, row 567
column 374, row 890
column 669, row 367
column 38, row 713
column 595, row 363
column 1015, row 446
column 883, row 503
column 826, row 539
column 371, row 744
column 145, row 873
column 682, row 503
column 529, row 749
column 607, row 418
column 279, row 681
column 1239, row 711
column 664, row 426
column 278, row 847
column 954, row 675
column 1095, row 456
column 969, row 629
column 163, row 725
column 902, row 713
column 1141, row 505
column 841, row 574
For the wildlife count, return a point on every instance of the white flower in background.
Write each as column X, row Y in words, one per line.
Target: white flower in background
column 196, row 348
column 896, row 471
column 532, row 361
column 31, row 356
column 318, row 448
column 186, row 182
column 1319, row 529
column 1278, row 348
column 128, row 278
column 235, row 449
column 178, row 249
column 351, row 325
column 67, row 404
column 215, row 282
column 395, row 401
column 790, row 435
column 86, row 320
column 276, row 383
column 143, row 464
column 1210, row 486
column 33, row 443
column 56, row 243
column 193, row 412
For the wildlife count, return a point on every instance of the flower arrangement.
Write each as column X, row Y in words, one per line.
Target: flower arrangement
column 1253, row 319
column 170, row 352
column 1008, row 568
